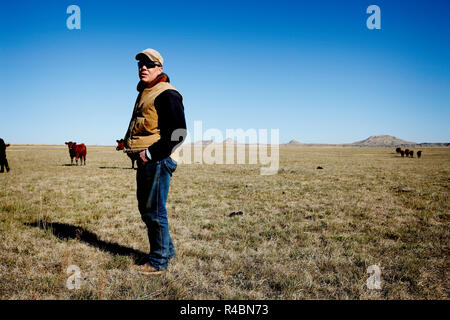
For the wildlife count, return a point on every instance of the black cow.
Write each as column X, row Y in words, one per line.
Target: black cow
column 419, row 154
column 3, row 160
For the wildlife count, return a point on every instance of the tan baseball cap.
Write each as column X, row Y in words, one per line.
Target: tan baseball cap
column 151, row 54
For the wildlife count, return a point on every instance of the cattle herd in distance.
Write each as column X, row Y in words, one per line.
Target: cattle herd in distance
column 408, row 153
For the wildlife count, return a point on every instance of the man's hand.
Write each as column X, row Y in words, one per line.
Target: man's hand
column 143, row 157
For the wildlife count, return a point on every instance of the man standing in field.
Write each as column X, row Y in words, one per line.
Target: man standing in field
column 156, row 129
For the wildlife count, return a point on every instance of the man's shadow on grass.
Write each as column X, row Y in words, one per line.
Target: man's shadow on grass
column 65, row 231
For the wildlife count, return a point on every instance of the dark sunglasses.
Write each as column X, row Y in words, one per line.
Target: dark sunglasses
column 147, row 64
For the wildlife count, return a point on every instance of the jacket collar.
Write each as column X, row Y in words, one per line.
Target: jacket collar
column 161, row 78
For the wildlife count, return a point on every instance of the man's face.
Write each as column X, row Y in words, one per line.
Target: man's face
column 148, row 71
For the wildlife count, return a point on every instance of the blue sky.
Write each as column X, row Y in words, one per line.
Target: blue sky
column 312, row 69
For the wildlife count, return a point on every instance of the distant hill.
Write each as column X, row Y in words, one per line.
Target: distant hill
column 433, row 144
column 382, row 141
column 293, row 142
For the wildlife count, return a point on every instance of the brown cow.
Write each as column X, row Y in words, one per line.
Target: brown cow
column 121, row 146
column 77, row 151
column 419, row 154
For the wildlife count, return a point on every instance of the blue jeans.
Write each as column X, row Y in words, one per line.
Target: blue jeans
column 153, row 181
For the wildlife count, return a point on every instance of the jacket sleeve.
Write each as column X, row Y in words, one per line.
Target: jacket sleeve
column 171, row 122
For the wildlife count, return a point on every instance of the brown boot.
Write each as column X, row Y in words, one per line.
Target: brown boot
column 148, row 270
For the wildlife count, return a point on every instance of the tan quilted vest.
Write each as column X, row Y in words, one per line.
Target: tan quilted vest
column 143, row 130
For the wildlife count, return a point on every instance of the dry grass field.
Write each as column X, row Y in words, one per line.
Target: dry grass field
column 304, row 233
